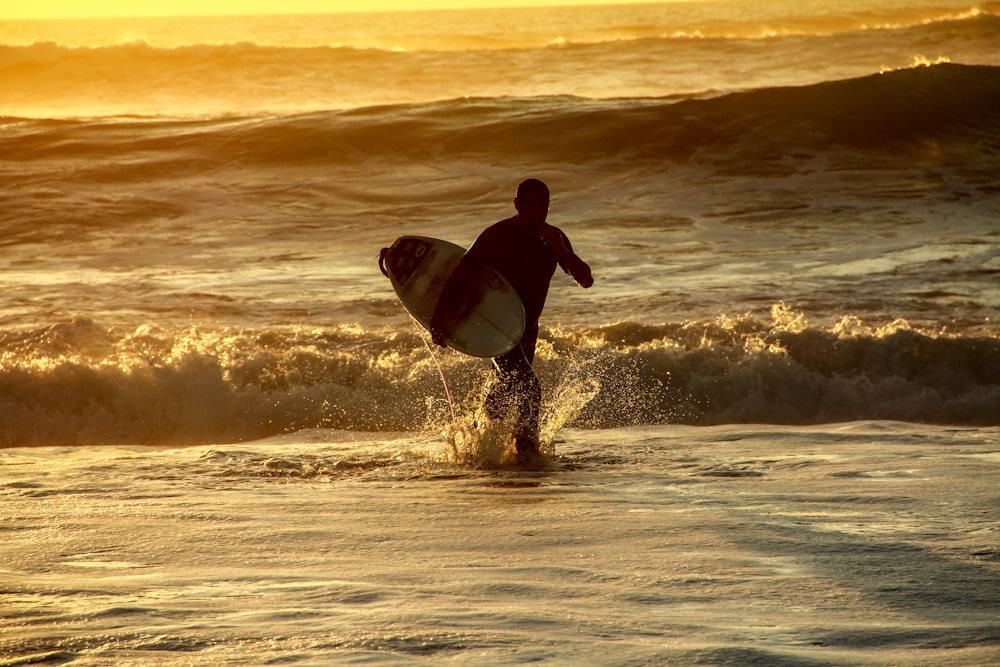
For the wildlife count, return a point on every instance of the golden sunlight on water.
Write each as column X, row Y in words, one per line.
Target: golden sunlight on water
column 51, row 9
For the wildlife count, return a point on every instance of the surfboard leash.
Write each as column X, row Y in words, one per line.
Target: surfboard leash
column 447, row 392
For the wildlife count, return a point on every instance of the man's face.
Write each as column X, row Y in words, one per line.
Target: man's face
column 532, row 208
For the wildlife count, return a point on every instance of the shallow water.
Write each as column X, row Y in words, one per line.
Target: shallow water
column 864, row 543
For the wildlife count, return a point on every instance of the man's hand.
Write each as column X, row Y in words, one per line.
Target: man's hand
column 580, row 271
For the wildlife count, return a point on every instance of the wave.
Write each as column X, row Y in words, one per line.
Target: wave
column 955, row 106
column 979, row 23
column 49, row 53
column 894, row 109
column 970, row 20
column 46, row 79
column 476, row 30
column 82, row 383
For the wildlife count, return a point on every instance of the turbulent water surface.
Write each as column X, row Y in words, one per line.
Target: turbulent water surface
column 771, row 425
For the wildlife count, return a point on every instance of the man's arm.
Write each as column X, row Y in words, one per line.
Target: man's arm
column 579, row 269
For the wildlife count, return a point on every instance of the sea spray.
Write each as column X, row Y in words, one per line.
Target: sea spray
column 83, row 382
column 477, row 440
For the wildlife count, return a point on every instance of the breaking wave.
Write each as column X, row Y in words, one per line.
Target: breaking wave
column 81, row 383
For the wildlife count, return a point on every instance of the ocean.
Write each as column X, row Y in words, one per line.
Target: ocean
column 772, row 426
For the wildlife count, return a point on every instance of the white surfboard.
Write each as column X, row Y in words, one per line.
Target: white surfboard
column 487, row 317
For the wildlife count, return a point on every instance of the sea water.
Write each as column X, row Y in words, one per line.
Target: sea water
column 770, row 426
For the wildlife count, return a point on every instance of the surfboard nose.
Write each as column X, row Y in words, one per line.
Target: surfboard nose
column 401, row 259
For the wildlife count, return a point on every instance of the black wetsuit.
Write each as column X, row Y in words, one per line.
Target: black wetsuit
column 529, row 265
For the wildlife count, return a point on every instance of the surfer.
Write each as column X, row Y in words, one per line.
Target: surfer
column 525, row 249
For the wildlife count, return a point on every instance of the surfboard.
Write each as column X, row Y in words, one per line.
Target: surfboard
column 486, row 318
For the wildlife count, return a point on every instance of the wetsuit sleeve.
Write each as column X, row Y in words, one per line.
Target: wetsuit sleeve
column 569, row 245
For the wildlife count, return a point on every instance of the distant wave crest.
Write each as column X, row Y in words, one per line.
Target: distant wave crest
column 954, row 105
column 47, row 79
column 974, row 18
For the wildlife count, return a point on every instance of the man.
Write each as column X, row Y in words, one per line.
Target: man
column 525, row 249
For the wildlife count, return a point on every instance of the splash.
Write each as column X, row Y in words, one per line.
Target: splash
column 476, row 440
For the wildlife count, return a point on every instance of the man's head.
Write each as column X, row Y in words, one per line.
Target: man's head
column 532, row 201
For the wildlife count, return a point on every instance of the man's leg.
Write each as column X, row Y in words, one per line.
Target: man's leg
column 517, row 386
